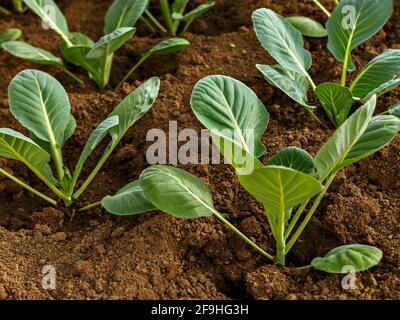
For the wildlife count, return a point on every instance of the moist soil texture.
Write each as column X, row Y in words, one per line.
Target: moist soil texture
column 156, row 256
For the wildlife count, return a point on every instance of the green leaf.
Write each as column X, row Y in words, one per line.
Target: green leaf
column 9, row 35
column 282, row 41
column 134, row 106
column 39, row 102
column 14, row 145
column 232, row 111
column 291, row 83
column 25, row 51
column 179, row 6
column 395, row 110
column 336, row 149
column 352, row 23
column 380, row 132
column 110, row 43
column 170, row 45
column 295, row 158
column 195, row 13
column 336, row 100
column 378, row 71
column 95, row 138
column 279, row 189
column 128, row 201
column 176, row 192
column 348, row 258
column 308, row 27
column 18, row 5
column 124, row 13
column 49, row 12
column 381, row 90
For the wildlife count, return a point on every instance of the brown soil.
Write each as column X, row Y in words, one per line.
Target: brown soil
column 155, row 256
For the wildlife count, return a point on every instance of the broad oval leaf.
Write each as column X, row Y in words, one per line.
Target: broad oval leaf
column 377, row 72
column 395, row 110
column 282, row 41
column 14, row 145
column 352, row 23
column 232, row 111
column 134, row 106
column 110, row 43
column 167, row 46
column 50, row 14
column 279, row 189
column 81, row 45
column 195, row 13
column 124, row 13
column 39, row 102
column 176, row 192
column 380, row 131
column 294, row 158
column 348, row 258
column 308, row 27
column 25, row 51
column 9, row 35
column 293, row 84
column 336, row 149
column 336, row 100
column 382, row 89
column 128, row 201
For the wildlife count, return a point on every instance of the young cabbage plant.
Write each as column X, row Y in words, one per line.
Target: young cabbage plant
column 345, row 32
column 9, row 35
column 291, row 179
column 78, row 49
column 174, row 13
column 41, row 105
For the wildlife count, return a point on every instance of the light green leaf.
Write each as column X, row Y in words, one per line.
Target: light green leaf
column 195, row 13
column 336, row 149
column 352, row 23
column 95, row 138
column 395, row 110
column 70, row 128
column 14, row 145
column 232, row 111
column 279, row 189
column 308, row 27
column 9, row 35
column 50, row 13
column 179, row 6
column 128, row 201
column 134, row 106
column 170, row 45
column 282, row 41
column 124, row 13
column 25, row 51
column 378, row 71
column 176, row 192
column 291, row 83
column 348, row 258
column 380, row 132
column 39, row 102
column 295, row 158
column 336, row 101
column 110, row 43
column 381, row 90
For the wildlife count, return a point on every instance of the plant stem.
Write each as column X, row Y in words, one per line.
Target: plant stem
column 304, row 267
column 325, row 10
column 295, row 218
column 344, row 71
column 90, row 206
column 166, row 11
column 132, row 70
column 241, row 235
column 4, row 11
column 313, row 115
column 58, row 162
column 27, row 187
column 187, row 25
column 106, row 69
column 336, row 2
column 384, row 112
column 280, row 240
column 310, row 213
column 148, row 24
column 155, row 21
column 76, row 78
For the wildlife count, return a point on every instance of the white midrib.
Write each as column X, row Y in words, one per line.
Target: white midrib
column 348, row 48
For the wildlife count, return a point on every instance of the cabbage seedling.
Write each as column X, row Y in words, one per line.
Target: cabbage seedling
column 174, row 14
column 285, row 44
column 41, row 105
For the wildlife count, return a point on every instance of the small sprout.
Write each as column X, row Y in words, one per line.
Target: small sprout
column 232, row 45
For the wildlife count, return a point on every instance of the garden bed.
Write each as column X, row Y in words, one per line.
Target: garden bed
column 156, row 256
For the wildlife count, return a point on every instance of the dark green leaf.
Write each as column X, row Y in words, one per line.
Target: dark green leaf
column 295, row 158
column 171, row 45
column 308, row 27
